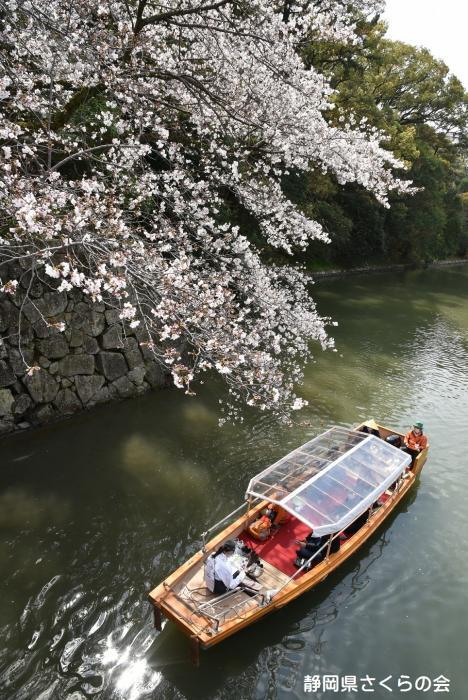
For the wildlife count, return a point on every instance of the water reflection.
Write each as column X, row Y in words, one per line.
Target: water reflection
column 158, row 470
column 20, row 507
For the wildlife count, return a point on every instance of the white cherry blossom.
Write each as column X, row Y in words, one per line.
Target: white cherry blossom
column 127, row 125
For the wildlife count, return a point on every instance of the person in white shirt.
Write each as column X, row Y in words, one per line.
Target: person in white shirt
column 221, row 573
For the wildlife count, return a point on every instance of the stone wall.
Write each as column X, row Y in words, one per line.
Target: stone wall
column 96, row 359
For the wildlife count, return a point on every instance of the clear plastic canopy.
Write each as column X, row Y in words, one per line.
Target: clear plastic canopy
column 328, row 482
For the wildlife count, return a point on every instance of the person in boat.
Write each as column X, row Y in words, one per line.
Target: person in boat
column 415, row 441
column 273, row 516
column 371, row 428
column 356, row 525
column 221, row 573
column 309, row 547
column 260, row 529
column 277, row 515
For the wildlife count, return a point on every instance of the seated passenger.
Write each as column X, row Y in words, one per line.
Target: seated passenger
column 415, row 441
column 335, row 545
column 356, row 525
column 309, row 547
column 222, row 574
column 277, row 515
column 394, row 440
column 371, row 428
column 260, row 529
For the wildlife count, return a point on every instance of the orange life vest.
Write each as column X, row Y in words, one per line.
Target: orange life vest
column 282, row 516
column 260, row 529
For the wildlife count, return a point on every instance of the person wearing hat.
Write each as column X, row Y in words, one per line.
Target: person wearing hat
column 221, row 573
column 415, row 441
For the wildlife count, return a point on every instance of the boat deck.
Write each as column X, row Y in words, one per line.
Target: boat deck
column 279, row 549
column 191, row 590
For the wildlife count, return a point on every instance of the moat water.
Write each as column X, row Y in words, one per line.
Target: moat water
column 96, row 510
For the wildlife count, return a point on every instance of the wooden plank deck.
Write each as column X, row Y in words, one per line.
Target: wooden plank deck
column 192, row 592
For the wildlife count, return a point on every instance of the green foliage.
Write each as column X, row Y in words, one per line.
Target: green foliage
column 411, row 97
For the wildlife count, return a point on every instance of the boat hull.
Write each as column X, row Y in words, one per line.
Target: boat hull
column 167, row 599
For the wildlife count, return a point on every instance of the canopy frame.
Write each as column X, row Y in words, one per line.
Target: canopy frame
column 381, row 465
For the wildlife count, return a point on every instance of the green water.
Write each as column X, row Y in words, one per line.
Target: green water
column 98, row 509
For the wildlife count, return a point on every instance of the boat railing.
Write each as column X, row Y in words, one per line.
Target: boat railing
column 223, row 520
column 209, row 608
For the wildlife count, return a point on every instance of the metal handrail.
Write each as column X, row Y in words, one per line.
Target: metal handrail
column 226, row 517
column 217, row 618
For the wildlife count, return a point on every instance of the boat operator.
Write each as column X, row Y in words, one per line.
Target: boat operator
column 415, row 441
column 221, row 573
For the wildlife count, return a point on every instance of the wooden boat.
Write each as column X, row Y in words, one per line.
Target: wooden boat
column 338, row 480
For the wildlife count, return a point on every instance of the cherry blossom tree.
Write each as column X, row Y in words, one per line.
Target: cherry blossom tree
column 124, row 126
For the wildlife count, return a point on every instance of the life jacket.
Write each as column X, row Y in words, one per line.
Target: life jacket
column 260, row 529
column 281, row 516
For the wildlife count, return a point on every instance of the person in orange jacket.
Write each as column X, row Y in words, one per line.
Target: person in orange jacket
column 261, row 528
column 415, row 441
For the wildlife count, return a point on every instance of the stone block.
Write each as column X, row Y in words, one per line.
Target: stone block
column 112, row 338
column 33, row 287
column 42, row 329
column 88, row 387
column 21, row 404
column 137, row 375
column 76, row 364
column 112, row 365
column 43, row 414
column 52, row 304
column 8, row 315
column 54, row 347
column 155, row 375
column 67, row 402
column 16, row 361
column 31, row 311
column 122, row 388
column 112, row 316
column 75, row 294
column 44, row 362
column 7, row 376
column 132, row 353
column 134, row 359
column 27, row 335
column 90, row 345
column 87, row 319
column 6, row 402
column 102, row 396
column 76, row 338
column 6, row 427
column 41, row 386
